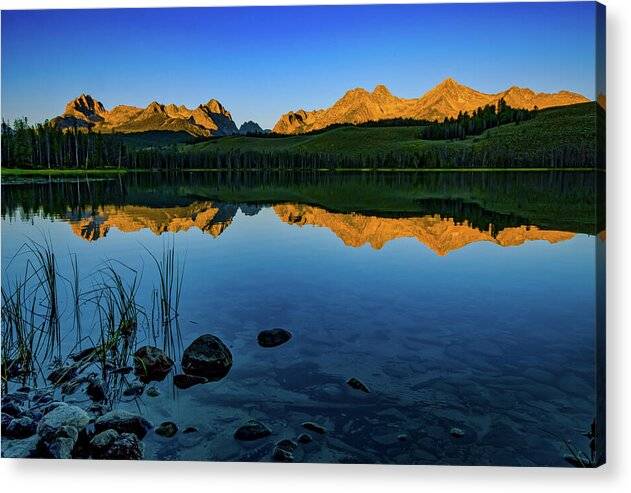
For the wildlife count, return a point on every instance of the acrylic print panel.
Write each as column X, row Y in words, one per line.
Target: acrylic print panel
column 380, row 242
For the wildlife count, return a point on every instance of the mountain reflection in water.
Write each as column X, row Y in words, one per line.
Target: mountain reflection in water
column 440, row 234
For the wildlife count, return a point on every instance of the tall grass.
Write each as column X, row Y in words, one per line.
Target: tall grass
column 105, row 318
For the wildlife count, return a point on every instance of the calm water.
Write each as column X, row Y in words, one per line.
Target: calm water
column 460, row 300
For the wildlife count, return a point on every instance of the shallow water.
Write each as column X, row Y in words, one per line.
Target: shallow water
column 449, row 321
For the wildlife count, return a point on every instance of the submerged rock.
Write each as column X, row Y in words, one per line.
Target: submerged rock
column 252, row 430
column 310, row 425
column 134, row 390
column 84, row 355
column 123, row 422
column 304, row 438
column 357, row 384
column 282, row 455
column 62, row 374
column 110, row 444
column 190, row 429
column 273, row 337
column 96, row 390
column 152, row 391
column 167, row 429
column 207, row 357
column 456, row 432
column 183, row 381
column 151, row 363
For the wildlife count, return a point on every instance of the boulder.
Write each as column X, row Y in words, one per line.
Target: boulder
column 252, row 430
column 123, row 422
column 151, row 363
column 273, row 337
column 112, row 445
column 62, row 416
column 304, row 438
column 207, row 357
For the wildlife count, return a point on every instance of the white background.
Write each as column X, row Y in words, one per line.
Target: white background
column 155, row 477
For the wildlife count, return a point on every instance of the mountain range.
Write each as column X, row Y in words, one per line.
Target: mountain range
column 446, row 99
column 358, row 105
column 205, row 120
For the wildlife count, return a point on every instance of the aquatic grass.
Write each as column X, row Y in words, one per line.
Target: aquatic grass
column 166, row 297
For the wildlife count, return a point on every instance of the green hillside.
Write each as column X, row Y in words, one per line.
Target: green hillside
column 556, row 137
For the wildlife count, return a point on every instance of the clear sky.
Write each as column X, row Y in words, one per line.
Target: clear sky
column 264, row 61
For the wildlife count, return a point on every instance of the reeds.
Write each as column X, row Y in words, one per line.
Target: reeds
column 103, row 304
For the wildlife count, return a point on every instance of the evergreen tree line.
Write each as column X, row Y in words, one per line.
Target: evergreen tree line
column 45, row 145
column 481, row 119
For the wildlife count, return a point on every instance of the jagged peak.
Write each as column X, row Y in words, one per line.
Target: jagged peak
column 381, row 90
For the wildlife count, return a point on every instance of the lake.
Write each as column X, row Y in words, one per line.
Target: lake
column 465, row 302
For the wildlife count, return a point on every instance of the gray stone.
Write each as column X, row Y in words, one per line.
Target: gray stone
column 110, row 444
column 123, row 422
column 23, row 427
column 20, row 449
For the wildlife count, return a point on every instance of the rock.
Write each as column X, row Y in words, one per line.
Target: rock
column 70, row 387
column 134, row 390
column 42, row 397
column 123, row 422
column 402, row 437
column 304, row 438
column 85, row 355
column 252, row 430
column 357, row 384
column 287, row 444
column 190, row 429
column 62, row 374
column 6, row 419
column 282, row 455
column 96, row 390
column 11, row 407
column 310, row 425
column 50, row 406
column 456, row 432
column 23, row 427
column 63, row 416
column 152, row 391
column 20, row 449
column 110, row 444
column 167, row 429
column 207, row 357
column 183, row 381
column 151, row 363
column 273, row 337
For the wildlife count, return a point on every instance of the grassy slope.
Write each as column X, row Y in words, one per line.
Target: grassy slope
column 551, row 128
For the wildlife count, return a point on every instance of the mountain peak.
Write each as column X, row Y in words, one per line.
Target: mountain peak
column 381, row 90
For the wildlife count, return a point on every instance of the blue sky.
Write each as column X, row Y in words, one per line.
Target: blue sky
column 262, row 62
